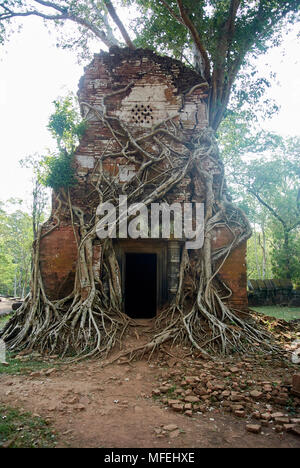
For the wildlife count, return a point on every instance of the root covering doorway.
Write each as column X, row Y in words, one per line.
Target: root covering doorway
column 141, row 285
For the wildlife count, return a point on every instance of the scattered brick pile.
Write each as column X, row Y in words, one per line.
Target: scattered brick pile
column 243, row 389
column 294, row 348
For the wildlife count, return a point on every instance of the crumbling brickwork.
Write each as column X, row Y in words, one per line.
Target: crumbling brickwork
column 141, row 89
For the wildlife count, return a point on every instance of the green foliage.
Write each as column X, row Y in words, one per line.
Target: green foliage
column 58, row 171
column 7, row 270
column 262, row 171
column 39, row 193
column 65, row 124
column 282, row 265
column 67, row 128
column 257, row 27
column 160, row 32
column 255, row 24
column 16, row 238
column 81, row 12
column 256, row 268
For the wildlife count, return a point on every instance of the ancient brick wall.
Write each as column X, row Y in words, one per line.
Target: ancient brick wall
column 58, row 256
column 273, row 292
column 157, row 89
column 233, row 271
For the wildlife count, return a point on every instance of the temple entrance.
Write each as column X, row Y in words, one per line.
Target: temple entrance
column 141, row 285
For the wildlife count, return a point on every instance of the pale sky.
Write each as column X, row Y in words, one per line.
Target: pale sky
column 33, row 73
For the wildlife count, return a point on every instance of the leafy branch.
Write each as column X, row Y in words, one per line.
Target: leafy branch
column 9, row 10
column 67, row 128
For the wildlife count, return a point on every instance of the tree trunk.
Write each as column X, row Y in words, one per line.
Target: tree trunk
column 287, row 254
column 256, row 254
column 264, row 252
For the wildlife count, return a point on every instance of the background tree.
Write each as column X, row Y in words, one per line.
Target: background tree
column 262, row 171
column 7, row 268
column 16, row 238
column 18, row 229
column 40, row 197
column 275, row 186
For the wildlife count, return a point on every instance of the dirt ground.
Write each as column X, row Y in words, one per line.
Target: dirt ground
column 5, row 306
column 112, row 407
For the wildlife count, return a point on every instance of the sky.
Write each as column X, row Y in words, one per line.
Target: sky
column 34, row 72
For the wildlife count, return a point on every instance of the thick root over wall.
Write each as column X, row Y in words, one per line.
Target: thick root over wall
column 90, row 321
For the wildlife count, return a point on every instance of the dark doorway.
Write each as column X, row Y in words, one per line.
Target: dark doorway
column 140, row 285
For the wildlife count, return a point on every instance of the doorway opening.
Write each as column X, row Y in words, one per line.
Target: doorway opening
column 141, row 285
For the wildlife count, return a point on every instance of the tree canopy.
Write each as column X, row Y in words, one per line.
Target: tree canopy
column 219, row 38
column 262, row 172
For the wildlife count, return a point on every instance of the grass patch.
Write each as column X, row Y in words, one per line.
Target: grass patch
column 171, row 391
column 17, row 367
column 4, row 320
column 23, row 430
column 284, row 313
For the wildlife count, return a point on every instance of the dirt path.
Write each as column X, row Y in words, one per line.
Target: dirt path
column 111, row 407
column 5, row 306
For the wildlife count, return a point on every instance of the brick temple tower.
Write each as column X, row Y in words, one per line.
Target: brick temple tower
column 141, row 90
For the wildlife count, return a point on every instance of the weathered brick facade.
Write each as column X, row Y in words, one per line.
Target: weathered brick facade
column 141, row 89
